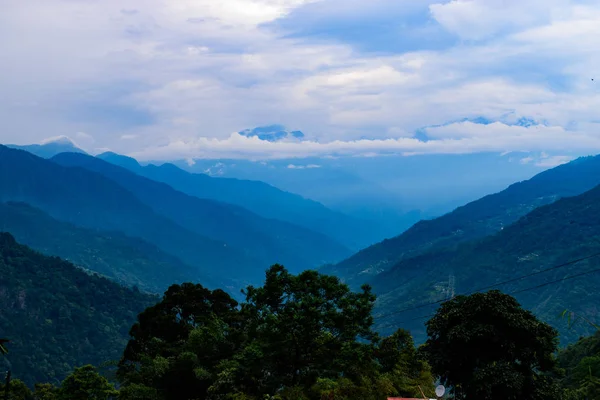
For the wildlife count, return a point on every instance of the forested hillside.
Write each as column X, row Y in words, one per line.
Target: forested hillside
column 581, row 364
column 260, row 198
column 58, row 316
column 550, row 236
column 474, row 220
column 127, row 260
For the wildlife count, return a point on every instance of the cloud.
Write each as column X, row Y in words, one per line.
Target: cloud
column 308, row 166
column 190, row 161
column 456, row 138
column 59, row 139
column 481, row 19
column 553, row 161
column 358, row 78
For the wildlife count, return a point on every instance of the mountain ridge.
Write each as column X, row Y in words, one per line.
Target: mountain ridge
column 476, row 219
column 92, row 201
column 259, row 197
column 547, row 239
column 127, row 260
column 268, row 240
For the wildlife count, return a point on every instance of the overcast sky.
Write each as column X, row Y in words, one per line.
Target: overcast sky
column 176, row 78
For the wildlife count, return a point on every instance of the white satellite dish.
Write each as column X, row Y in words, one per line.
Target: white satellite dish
column 440, row 390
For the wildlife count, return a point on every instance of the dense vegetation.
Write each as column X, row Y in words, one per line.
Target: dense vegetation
column 303, row 336
column 57, row 316
column 549, row 236
column 127, row 260
column 475, row 220
column 262, row 239
column 581, row 365
column 297, row 337
column 485, row 346
column 262, row 199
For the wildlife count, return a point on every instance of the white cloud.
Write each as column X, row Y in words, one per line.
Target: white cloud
column 480, row 19
column 308, row 166
column 457, row 138
column 58, row 139
column 553, row 161
column 190, row 161
column 197, row 70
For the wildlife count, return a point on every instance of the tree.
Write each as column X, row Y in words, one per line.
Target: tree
column 306, row 327
column 402, row 367
column 18, row 390
column 86, row 383
column 486, row 346
column 303, row 336
column 177, row 344
column 45, row 391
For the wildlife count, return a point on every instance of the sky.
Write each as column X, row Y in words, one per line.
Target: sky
column 178, row 79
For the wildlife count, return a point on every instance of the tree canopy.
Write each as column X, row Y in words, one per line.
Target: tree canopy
column 486, row 346
column 303, row 336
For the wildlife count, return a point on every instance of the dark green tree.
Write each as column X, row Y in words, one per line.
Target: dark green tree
column 402, row 367
column 85, row 383
column 303, row 336
column 306, row 327
column 18, row 390
column 485, row 346
column 45, row 391
column 176, row 344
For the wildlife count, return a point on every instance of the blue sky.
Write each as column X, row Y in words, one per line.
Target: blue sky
column 176, row 79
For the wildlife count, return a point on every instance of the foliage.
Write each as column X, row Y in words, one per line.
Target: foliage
column 581, row 365
column 486, row 346
column 18, row 390
column 86, row 384
column 45, row 391
column 297, row 337
column 57, row 316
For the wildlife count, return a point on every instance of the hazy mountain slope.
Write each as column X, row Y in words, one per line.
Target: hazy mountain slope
column 551, row 235
column 57, row 316
column 51, row 148
column 268, row 240
column 324, row 180
column 260, row 198
column 127, row 260
column 474, row 220
column 90, row 200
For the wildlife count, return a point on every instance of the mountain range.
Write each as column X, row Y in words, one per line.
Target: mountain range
column 474, row 220
column 549, row 258
column 260, row 198
column 50, row 148
column 265, row 240
column 89, row 200
column 153, row 225
column 129, row 261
